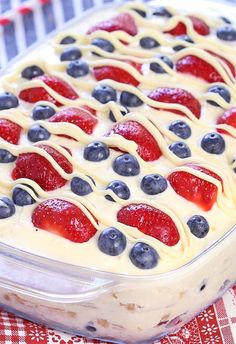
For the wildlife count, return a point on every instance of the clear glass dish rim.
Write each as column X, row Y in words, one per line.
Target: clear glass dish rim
column 50, row 265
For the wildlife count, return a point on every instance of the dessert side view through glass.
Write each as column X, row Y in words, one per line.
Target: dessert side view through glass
column 118, row 171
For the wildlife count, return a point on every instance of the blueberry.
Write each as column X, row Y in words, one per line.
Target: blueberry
column 130, row 99
column 161, row 12
column 126, row 165
column 21, row 197
column 8, row 101
column 213, row 143
column 80, row 187
column 143, row 256
column 119, row 188
column 226, row 20
column 153, row 184
column 38, row 133
column 96, row 151
column 68, row 40
column 226, row 33
column 123, row 112
column 183, row 38
column 41, row 112
column 203, row 286
column 31, row 72
column 235, row 167
column 111, row 241
column 103, row 44
column 156, row 67
column 104, row 94
column 181, row 129
column 70, row 54
column 6, row 157
column 148, row 43
column 91, row 328
column 77, row 68
column 7, row 208
column 140, row 12
column 221, row 91
column 180, row 149
column 198, row 226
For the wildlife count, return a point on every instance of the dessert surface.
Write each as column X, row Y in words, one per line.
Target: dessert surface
column 118, row 141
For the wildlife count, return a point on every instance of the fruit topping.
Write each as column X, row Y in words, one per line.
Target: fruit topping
column 126, row 165
column 7, row 208
column 177, row 96
column 148, row 148
column 36, row 167
column 104, row 93
column 111, row 241
column 213, row 143
column 63, row 218
column 31, row 72
column 151, row 221
column 180, row 149
column 38, row 133
column 119, row 188
column 122, row 21
column 143, row 256
column 198, row 226
column 153, row 184
column 9, row 131
column 96, row 151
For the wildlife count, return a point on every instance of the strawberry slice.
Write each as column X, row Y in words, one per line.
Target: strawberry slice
column 151, row 221
column 122, row 21
column 9, row 131
column 89, row 109
column 223, row 59
column 229, row 118
column 35, row 94
column 195, row 189
column 199, row 68
column 77, row 116
column 148, row 148
column 199, row 25
column 117, row 74
column 177, row 96
column 63, row 218
column 35, row 167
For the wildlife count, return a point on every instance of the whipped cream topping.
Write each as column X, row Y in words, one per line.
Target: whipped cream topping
column 19, row 231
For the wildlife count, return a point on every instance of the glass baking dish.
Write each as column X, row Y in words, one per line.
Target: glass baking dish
column 110, row 306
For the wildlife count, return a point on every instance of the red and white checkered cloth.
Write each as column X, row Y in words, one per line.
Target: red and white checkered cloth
column 215, row 325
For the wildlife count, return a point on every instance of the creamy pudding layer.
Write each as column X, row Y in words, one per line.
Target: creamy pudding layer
column 155, row 116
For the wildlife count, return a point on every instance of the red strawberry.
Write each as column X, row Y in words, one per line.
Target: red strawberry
column 206, row 171
column 122, row 21
column 35, row 167
column 9, row 131
column 223, row 59
column 35, row 94
column 229, row 117
column 89, row 109
column 148, row 148
column 195, row 189
column 117, row 74
column 77, row 116
column 199, row 68
column 199, row 26
column 64, row 219
column 150, row 221
column 177, row 96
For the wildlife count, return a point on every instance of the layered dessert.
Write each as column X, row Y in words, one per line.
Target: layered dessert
column 117, row 153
